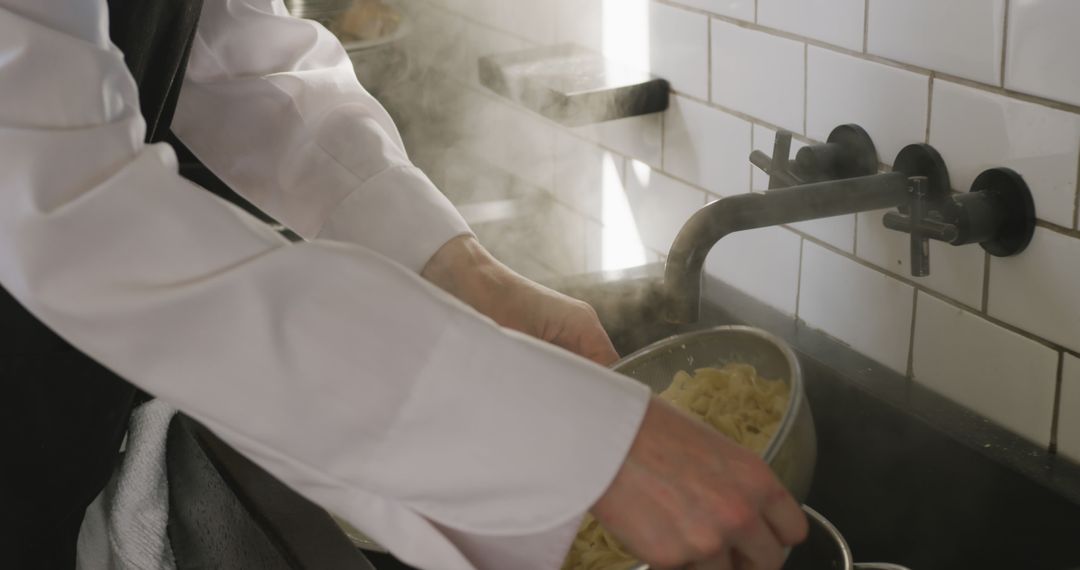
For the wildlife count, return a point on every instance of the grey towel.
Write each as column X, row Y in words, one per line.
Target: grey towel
column 125, row 527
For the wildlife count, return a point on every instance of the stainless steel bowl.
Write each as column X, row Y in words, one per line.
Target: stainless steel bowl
column 792, row 452
column 825, row 547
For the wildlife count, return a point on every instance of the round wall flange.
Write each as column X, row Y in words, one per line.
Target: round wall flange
column 858, row 147
column 1006, row 189
column 924, row 160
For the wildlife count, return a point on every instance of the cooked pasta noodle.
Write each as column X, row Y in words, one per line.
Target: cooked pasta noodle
column 734, row 400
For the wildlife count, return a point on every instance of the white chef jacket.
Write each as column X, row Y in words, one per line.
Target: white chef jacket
column 331, row 363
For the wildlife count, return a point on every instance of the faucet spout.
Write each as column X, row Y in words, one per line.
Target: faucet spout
column 683, row 272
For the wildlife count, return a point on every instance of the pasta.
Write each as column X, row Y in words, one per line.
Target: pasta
column 734, row 400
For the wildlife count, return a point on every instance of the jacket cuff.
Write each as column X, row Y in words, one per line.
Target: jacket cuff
column 398, row 213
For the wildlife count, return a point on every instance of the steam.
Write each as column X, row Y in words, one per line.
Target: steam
column 541, row 197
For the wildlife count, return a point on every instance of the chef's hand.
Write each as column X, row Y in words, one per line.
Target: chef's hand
column 687, row 495
column 466, row 270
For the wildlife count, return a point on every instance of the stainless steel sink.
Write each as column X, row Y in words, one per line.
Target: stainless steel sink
column 906, row 475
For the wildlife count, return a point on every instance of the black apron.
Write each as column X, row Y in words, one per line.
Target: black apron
column 62, row 415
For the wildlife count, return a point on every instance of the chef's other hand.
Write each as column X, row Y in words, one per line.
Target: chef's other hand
column 463, row 268
column 685, row 494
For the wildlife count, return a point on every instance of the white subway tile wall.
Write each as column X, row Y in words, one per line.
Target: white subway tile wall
column 956, row 272
column 759, row 74
column 838, row 22
column 529, row 153
column 1069, row 420
column 838, row 231
column 578, row 22
column 1039, row 290
column 857, row 305
column 908, row 71
column 1040, row 54
column 740, row 9
column 660, row 204
column 958, row 37
column 635, row 137
column 762, row 262
column 707, row 147
column 581, row 171
column 975, row 130
column 679, row 48
column 1006, row 377
column 890, row 103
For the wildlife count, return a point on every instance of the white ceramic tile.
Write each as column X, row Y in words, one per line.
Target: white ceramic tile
column 636, row 137
column 707, row 146
column 890, row 103
column 660, row 204
column 975, row 130
column 551, row 236
column 991, row 370
column 866, row 309
column 955, row 271
column 483, row 41
column 1041, row 51
column 741, row 9
column 594, row 255
column 511, row 138
column 625, row 29
column 1039, row 290
column 679, row 48
column 582, row 170
column 564, row 229
column 1069, row 418
column 581, row 22
column 759, row 74
column 531, row 20
column 961, row 37
column 763, row 263
column 838, row 231
column 838, row 22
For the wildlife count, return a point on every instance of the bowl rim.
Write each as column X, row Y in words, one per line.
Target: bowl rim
column 796, row 400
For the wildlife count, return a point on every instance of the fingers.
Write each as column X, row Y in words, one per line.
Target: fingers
column 599, row 349
column 786, row 519
column 758, row 548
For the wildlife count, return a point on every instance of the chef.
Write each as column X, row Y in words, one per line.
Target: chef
column 387, row 367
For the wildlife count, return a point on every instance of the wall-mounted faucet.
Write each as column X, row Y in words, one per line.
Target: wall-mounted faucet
column 840, row 177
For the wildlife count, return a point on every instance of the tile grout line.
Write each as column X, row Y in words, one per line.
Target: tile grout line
column 663, row 142
column 1004, row 41
column 1055, row 418
column 798, row 284
column 929, row 106
column 986, row 284
column 1062, row 230
column 805, row 86
column 866, row 26
column 935, row 294
column 1056, row 228
column 911, row 338
column 708, row 57
column 996, row 89
column 750, row 188
column 1076, row 206
column 807, row 238
column 855, row 237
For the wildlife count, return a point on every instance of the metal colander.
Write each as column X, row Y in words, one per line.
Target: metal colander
column 792, row 452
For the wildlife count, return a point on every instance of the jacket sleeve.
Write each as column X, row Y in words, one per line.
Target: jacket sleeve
column 272, row 105
column 333, row 366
